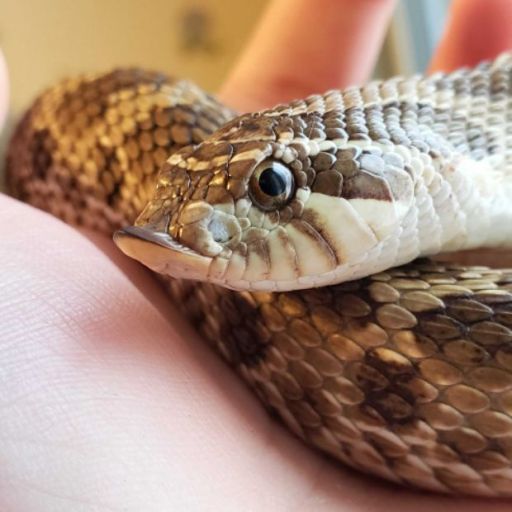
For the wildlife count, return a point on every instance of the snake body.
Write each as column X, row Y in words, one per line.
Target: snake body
column 404, row 373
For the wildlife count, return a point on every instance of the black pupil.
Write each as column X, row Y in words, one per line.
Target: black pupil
column 272, row 181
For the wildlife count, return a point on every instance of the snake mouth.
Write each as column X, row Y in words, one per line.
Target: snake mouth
column 161, row 253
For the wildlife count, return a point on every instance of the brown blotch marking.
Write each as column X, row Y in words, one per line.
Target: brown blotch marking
column 296, row 165
column 254, row 235
column 465, row 352
column 400, row 377
column 394, row 401
column 329, row 183
column 180, row 133
column 100, row 137
column 241, row 169
column 208, row 151
column 284, row 125
column 241, row 318
column 393, row 408
column 217, row 194
column 493, row 296
column 247, row 128
column 468, row 310
column 297, row 207
column 246, row 346
column 348, row 167
column 310, row 172
column 489, row 333
column 441, row 327
column 309, row 226
column 286, row 215
column 365, row 185
column 336, row 133
column 237, row 188
column 368, row 378
column 301, row 151
column 317, row 296
column 273, row 216
column 260, row 247
column 351, row 305
column 184, row 114
column 289, row 249
column 503, row 314
column 323, row 161
column 250, row 145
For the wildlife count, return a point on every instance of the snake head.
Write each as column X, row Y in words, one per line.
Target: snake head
column 271, row 202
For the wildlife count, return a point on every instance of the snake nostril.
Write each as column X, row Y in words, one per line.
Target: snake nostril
column 223, row 227
column 219, row 230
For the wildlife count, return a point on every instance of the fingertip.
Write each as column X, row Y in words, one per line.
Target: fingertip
column 301, row 47
column 475, row 30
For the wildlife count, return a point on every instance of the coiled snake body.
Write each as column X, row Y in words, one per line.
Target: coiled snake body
column 405, row 372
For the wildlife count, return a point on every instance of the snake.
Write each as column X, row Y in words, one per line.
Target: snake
column 298, row 241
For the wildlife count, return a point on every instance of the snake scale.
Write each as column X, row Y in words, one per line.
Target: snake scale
column 296, row 228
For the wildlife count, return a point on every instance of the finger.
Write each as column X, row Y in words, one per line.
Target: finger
column 476, row 30
column 104, row 405
column 302, row 47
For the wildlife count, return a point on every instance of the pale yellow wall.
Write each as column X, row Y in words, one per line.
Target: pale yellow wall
column 44, row 40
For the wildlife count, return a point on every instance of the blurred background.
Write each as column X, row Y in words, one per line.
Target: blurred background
column 45, row 40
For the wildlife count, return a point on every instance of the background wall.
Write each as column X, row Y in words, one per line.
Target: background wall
column 44, row 40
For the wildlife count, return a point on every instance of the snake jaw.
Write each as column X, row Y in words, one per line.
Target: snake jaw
column 161, row 253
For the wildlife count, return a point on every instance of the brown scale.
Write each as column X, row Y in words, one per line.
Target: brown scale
column 406, row 374
column 95, row 143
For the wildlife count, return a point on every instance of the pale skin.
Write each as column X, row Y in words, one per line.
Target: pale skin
column 109, row 401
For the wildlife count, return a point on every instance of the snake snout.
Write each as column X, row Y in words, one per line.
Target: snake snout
column 161, row 253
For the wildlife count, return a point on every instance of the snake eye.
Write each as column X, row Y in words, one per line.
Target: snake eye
column 271, row 185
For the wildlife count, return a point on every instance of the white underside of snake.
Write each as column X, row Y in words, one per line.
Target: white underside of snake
column 405, row 373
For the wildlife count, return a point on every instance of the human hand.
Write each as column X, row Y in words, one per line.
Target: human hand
column 109, row 401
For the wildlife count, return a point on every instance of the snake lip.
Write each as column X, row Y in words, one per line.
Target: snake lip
column 162, row 253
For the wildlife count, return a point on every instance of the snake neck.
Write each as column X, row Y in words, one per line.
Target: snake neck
column 448, row 129
column 467, row 175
